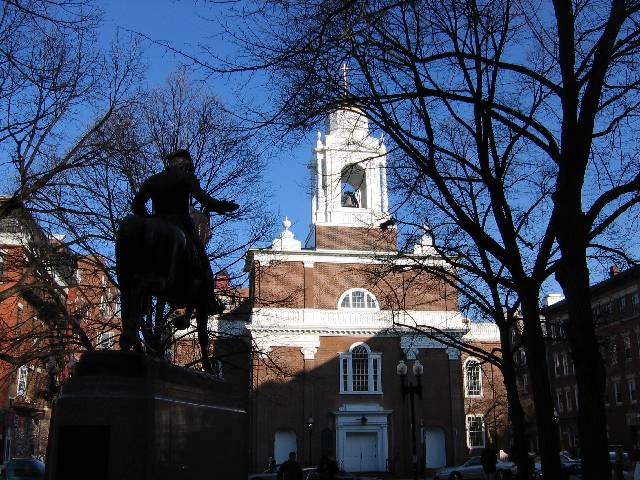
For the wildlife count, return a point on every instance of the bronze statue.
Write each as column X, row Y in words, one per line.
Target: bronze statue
column 163, row 256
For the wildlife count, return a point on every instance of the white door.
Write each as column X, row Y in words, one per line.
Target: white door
column 435, row 448
column 361, row 452
column 284, row 443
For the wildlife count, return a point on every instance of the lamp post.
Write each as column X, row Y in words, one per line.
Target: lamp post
column 411, row 390
column 310, row 430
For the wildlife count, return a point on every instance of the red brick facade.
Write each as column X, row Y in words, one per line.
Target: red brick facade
column 616, row 309
column 356, row 238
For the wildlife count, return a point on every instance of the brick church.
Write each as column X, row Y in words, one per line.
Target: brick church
column 331, row 321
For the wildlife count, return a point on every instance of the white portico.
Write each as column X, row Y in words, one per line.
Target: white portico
column 362, row 437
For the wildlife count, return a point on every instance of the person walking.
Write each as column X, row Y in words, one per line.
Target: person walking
column 290, row 470
column 489, row 461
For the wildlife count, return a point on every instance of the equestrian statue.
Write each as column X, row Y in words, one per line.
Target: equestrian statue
column 163, row 256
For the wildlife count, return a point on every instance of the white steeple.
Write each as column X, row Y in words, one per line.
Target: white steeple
column 348, row 173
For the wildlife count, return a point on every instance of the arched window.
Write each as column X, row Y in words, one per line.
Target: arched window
column 472, row 378
column 353, row 191
column 358, row 298
column 360, row 370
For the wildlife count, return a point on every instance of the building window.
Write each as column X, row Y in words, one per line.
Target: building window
column 22, row 381
column 635, row 301
column 475, row 431
column 105, row 340
column 559, row 401
column 622, row 304
column 631, row 386
column 360, row 370
column 525, row 382
column 613, row 350
column 472, row 378
column 627, row 347
column 565, row 363
column 358, row 298
column 558, row 360
column 569, row 399
column 575, row 394
column 617, row 394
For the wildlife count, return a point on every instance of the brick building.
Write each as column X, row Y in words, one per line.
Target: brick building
column 331, row 321
column 616, row 308
column 53, row 305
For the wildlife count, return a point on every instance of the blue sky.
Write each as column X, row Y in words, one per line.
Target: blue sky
column 186, row 25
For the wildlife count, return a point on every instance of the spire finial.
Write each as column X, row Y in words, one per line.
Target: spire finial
column 345, row 84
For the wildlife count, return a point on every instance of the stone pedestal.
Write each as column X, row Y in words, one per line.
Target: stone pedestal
column 125, row 416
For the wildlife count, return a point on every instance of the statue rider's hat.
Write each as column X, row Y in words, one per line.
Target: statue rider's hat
column 180, row 153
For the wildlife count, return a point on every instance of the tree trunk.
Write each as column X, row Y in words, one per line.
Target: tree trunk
column 516, row 412
column 540, row 384
column 573, row 277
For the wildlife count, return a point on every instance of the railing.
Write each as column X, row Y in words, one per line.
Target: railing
column 314, row 319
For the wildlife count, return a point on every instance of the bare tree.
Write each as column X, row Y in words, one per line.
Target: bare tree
column 90, row 202
column 518, row 117
column 57, row 89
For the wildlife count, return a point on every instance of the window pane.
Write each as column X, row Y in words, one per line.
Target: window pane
column 345, row 302
column 345, row 375
column 371, row 302
column 375, row 375
column 357, row 299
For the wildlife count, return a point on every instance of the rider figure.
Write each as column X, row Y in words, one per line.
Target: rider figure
column 170, row 192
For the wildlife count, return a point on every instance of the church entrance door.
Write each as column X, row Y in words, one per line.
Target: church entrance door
column 435, row 450
column 361, row 452
column 284, row 443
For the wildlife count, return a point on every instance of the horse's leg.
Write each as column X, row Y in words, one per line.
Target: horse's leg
column 203, row 337
column 158, row 328
column 131, row 313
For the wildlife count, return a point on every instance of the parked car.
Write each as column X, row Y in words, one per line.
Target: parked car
column 568, row 464
column 472, row 469
column 23, row 469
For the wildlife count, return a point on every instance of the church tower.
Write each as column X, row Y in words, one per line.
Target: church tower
column 349, row 185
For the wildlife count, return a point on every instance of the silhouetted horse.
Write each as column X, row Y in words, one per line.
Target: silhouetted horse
column 154, row 258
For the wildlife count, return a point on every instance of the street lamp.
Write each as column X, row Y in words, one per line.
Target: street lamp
column 411, row 390
column 310, row 422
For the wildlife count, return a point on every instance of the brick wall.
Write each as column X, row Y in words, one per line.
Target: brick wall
column 493, row 402
column 292, row 285
column 284, row 400
column 356, row 238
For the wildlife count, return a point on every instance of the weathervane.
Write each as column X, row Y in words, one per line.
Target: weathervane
column 345, row 84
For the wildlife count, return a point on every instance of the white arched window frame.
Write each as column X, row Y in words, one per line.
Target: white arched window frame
column 360, row 370
column 472, row 378
column 358, row 299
